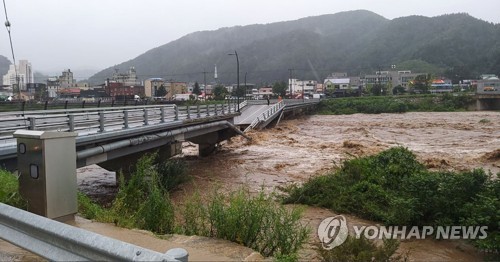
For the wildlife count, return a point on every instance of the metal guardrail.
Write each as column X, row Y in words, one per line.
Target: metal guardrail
column 98, row 120
column 266, row 115
column 61, row 242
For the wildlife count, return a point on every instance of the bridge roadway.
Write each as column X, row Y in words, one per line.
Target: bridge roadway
column 105, row 134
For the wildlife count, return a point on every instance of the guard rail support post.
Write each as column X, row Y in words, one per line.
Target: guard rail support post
column 188, row 113
column 162, row 114
column 101, row 121
column 125, row 119
column 146, row 122
column 229, row 106
column 32, row 123
column 208, row 110
column 176, row 112
column 71, row 122
column 198, row 111
column 216, row 107
column 223, row 111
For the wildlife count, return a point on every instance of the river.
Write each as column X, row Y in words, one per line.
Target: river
column 297, row 149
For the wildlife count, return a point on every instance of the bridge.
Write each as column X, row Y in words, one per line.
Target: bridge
column 47, row 163
column 112, row 136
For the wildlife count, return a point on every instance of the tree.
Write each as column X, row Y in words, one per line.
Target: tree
column 421, row 83
column 398, row 90
column 220, row 92
column 279, row 88
column 377, row 89
column 162, row 91
column 196, row 89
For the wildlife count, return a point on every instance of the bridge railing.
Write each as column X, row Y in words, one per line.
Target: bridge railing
column 94, row 120
column 273, row 110
column 56, row 241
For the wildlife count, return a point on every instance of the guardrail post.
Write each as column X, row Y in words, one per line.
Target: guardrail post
column 178, row 253
column 101, row 121
column 216, row 107
column 46, row 104
column 176, row 112
column 208, row 110
column 146, row 122
column 83, row 104
column 162, row 114
column 99, row 103
column 188, row 113
column 66, row 104
column 229, row 106
column 71, row 123
column 32, row 123
column 223, row 112
column 198, row 111
column 125, row 119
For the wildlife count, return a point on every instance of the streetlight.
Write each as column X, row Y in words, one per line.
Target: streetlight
column 237, row 78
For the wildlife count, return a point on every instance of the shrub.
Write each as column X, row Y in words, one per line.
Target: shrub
column 394, row 188
column 172, row 173
column 256, row 222
column 141, row 202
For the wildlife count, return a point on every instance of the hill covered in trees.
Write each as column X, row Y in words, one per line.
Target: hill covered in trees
column 358, row 42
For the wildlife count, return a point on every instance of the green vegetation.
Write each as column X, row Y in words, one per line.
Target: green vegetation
column 394, row 188
column 395, row 104
column 362, row 249
column 9, row 193
column 256, row 222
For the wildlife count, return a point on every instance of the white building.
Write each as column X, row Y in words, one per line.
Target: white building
column 24, row 73
column 308, row 86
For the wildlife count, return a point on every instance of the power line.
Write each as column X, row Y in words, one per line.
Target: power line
column 7, row 25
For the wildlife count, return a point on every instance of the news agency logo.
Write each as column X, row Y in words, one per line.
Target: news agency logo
column 333, row 232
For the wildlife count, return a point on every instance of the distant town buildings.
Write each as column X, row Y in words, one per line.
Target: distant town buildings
column 24, row 76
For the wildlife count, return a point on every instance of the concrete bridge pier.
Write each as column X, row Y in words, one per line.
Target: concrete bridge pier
column 126, row 164
column 488, row 103
column 207, row 142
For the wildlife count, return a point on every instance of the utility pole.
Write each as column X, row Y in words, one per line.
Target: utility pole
column 290, row 84
column 205, row 87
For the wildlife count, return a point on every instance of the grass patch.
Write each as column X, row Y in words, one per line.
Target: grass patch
column 394, row 188
column 9, row 190
column 256, row 222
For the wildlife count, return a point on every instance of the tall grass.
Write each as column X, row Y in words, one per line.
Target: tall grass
column 9, row 190
column 257, row 222
column 142, row 202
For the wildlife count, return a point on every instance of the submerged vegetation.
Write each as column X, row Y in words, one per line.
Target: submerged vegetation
column 394, row 188
column 396, row 104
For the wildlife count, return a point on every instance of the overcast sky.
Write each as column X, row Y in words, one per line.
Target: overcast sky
column 94, row 34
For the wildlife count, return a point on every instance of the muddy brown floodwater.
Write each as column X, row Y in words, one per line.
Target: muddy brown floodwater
column 301, row 148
